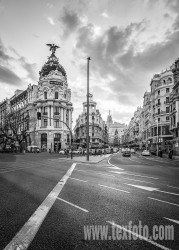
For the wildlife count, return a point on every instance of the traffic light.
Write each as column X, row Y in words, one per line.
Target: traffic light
column 38, row 116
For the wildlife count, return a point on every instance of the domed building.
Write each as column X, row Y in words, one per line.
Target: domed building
column 43, row 112
column 54, row 104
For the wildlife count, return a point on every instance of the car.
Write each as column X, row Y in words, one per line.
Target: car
column 145, row 153
column 62, row 151
column 33, row 149
column 126, row 153
column 133, row 150
column 76, row 151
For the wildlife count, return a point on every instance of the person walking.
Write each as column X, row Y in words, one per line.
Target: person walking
column 170, row 154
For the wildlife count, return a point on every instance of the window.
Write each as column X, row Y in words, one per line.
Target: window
column 158, row 111
column 45, row 95
column 167, row 99
column 158, row 119
column 158, row 92
column 45, row 123
column 167, row 109
column 56, row 95
column 167, row 90
column 158, row 101
column 56, row 123
column 56, row 110
column 167, row 118
column 45, row 111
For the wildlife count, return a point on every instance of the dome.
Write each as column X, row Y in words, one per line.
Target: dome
column 51, row 65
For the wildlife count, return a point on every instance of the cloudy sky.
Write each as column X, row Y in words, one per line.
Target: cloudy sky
column 128, row 42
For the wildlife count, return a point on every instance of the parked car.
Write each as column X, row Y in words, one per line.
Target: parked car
column 126, row 153
column 133, row 150
column 145, row 153
column 33, row 149
column 62, row 151
column 76, row 151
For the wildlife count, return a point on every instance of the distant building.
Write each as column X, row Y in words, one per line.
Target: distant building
column 97, row 127
column 114, row 129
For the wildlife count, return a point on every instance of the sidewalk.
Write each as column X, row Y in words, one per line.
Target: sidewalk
column 92, row 159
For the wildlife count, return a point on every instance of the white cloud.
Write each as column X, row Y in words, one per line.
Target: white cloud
column 105, row 15
column 51, row 21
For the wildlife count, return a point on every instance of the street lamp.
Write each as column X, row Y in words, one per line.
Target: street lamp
column 87, row 124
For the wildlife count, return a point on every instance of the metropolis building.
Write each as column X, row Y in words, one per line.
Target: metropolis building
column 51, row 98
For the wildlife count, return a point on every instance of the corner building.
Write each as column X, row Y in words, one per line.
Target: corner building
column 52, row 98
column 54, row 104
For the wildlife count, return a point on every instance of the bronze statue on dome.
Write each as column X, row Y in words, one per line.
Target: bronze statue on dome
column 53, row 48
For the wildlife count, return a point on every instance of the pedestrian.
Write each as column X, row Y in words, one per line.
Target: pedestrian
column 170, row 154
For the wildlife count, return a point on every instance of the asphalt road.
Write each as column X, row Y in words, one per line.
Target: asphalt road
column 51, row 203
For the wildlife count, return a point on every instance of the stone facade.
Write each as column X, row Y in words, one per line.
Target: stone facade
column 52, row 99
column 97, row 127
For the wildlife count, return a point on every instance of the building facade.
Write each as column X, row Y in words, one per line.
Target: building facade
column 97, row 127
column 51, row 98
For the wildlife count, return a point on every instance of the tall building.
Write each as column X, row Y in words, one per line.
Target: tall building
column 51, row 98
column 174, row 107
column 115, row 129
column 97, row 127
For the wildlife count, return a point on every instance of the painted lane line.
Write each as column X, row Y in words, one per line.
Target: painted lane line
column 107, row 174
column 151, row 189
column 175, row 221
column 134, row 175
column 137, row 180
column 77, row 179
column 114, row 188
column 27, row 233
column 173, row 187
column 163, row 201
column 73, row 205
column 139, row 236
column 143, row 187
column 114, row 165
column 167, row 192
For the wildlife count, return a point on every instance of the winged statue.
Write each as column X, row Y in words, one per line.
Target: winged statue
column 53, row 47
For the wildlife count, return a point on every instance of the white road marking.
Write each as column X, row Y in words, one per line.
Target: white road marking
column 114, row 165
column 77, row 179
column 134, row 160
column 138, row 236
column 164, row 201
column 73, row 204
column 175, row 221
column 114, row 188
column 106, row 174
column 143, row 187
column 151, row 189
column 27, row 233
column 134, row 175
column 167, row 192
column 137, row 180
column 173, row 187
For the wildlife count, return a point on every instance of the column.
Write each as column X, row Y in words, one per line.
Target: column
column 48, row 115
column 62, row 118
column 70, row 119
column 52, row 115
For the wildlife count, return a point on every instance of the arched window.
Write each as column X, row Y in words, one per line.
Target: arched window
column 45, row 95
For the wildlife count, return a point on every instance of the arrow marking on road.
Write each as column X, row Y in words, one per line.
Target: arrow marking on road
column 143, row 187
column 175, row 221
